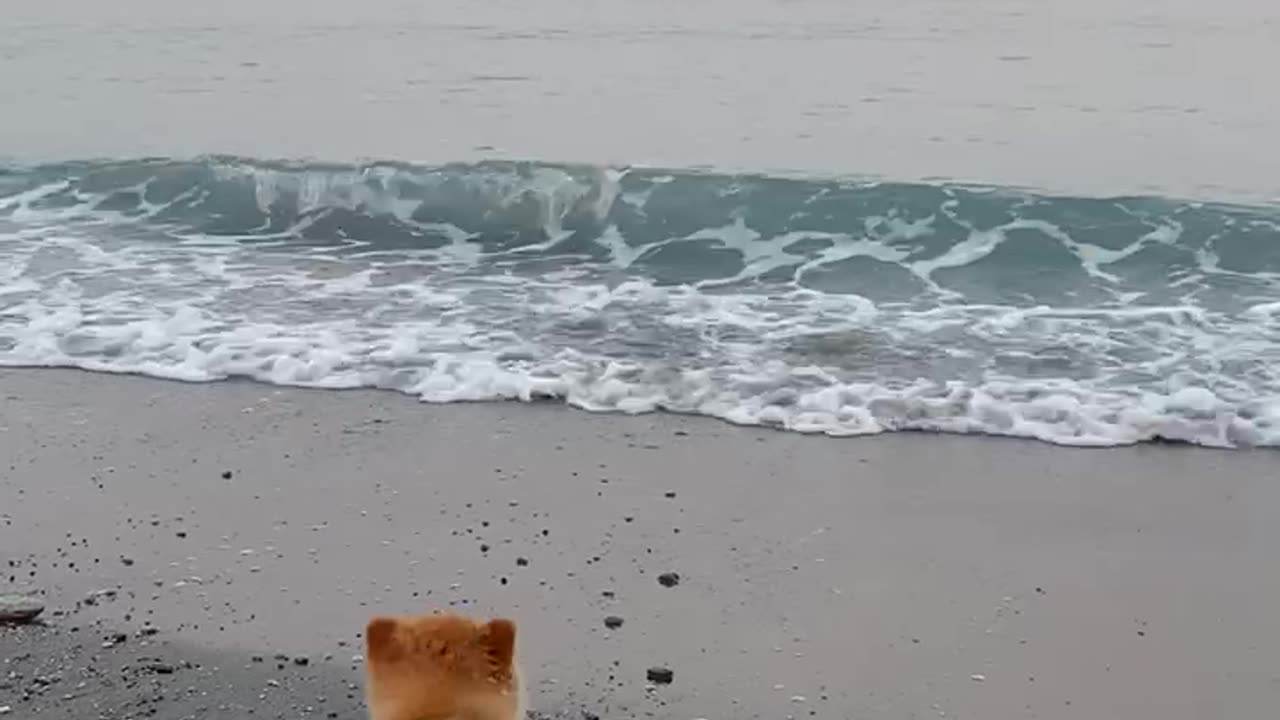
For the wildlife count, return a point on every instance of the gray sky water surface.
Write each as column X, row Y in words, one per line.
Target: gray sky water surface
column 1088, row 96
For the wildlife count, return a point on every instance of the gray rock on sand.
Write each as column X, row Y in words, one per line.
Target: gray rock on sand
column 16, row 608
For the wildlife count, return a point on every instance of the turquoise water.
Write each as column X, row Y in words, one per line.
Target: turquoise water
column 838, row 306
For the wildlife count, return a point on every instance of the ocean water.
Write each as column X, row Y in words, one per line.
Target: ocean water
column 989, row 217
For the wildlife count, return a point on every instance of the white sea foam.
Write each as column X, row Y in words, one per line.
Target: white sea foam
column 183, row 319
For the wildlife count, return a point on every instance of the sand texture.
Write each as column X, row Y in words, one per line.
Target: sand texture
column 206, row 529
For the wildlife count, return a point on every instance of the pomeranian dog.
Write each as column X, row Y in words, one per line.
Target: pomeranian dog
column 442, row 666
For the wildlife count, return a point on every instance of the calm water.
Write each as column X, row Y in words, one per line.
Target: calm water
column 1000, row 217
column 1172, row 96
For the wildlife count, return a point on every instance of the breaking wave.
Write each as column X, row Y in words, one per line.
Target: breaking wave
column 844, row 307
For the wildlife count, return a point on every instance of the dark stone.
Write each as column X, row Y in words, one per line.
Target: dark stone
column 660, row 675
column 613, row 622
column 669, row 579
column 226, row 474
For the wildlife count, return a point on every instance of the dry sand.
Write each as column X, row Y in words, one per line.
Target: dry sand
column 902, row 576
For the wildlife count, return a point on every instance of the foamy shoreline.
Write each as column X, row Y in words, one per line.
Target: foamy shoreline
column 873, row 577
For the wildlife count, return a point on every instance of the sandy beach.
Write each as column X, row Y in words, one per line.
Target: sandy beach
column 214, row 550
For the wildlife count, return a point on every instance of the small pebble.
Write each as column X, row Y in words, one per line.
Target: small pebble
column 613, row 622
column 669, row 579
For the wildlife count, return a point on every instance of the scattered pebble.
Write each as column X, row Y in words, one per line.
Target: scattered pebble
column 613, row 622
column 978, row 678
column 669, row 579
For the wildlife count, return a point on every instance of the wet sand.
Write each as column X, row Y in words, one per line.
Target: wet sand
column 216, row 526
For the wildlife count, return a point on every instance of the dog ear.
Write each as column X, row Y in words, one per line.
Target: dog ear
column 499, row 640
column 380, row 638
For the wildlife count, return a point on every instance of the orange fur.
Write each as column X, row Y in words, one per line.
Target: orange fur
column 442, row 666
